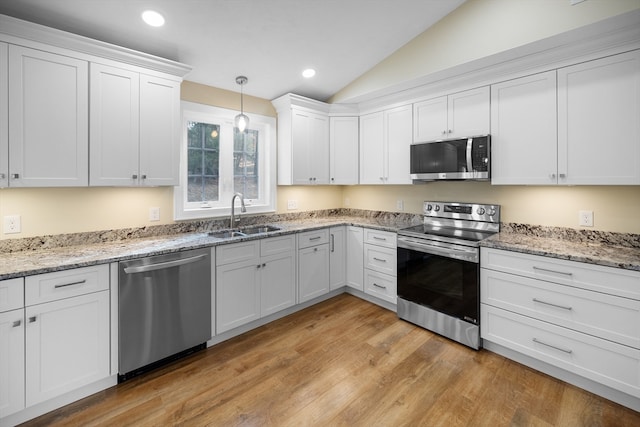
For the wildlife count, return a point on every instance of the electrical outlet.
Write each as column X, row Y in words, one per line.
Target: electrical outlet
column 585, row 218
column 400, row 205
column 347, row 201
column 292, row 204
column 154, row 214
column 12, row 224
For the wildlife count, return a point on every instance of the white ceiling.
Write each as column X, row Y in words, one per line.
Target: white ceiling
column 269, row 41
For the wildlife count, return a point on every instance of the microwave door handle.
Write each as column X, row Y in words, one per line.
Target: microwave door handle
column 469, row 160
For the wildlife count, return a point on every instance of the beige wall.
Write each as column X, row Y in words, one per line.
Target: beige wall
column 477, row 29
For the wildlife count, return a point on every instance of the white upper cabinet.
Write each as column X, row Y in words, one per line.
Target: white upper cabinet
column 303, row 140
column 523, row 131
column 343, row 150
column 4, row 115
column 385, row 140
column 599, row 121
column 48, row 119
column 114, row 130
column 458, row 115
column 134, row 128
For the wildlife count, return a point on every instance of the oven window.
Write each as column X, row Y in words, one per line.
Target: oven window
column 443, row 284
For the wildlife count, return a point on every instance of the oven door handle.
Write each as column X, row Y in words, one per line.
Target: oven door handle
column 470, row 255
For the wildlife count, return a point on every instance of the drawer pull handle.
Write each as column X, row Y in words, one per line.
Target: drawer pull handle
column 315, row 238
column 564, row 307
column 565, row 350
column 379, row 259
column 64, row 285
column 379, row 286
column 553, row 271
column 384, row 239
column 17, row 323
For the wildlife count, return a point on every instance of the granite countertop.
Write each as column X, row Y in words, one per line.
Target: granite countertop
column 597, row 252
column 36, row 261
column 25, row 257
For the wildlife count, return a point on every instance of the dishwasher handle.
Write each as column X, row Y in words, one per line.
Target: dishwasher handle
column 161, row 265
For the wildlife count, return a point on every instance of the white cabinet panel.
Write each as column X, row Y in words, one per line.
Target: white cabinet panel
column 12, row 397
column 313, row 272
column 598, row 121
column 380, row 259
column 381, row 285
column 355, row 258
column 65, row 284
column 277, row 283
column 4, row 115
column 11, row 294
column 343, row 150
column 524, row 147
column 68, row 345
column 237, row 294
column 48, row 119
column 430, row 119
column 372, row 148
column 337, row 257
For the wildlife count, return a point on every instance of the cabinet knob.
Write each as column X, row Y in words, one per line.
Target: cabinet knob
column 3, row 176
column 258, row 266
column 563, row 175
column 32, row 319
column 144, row 176
column 552, row 175
column 444, row 132
column 449, row 131
column 134, row 176
column 17, row 323
column 15, row 175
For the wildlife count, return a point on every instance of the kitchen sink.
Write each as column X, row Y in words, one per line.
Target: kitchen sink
column 243, row 232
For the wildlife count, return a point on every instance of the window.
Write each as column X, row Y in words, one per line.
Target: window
column 217, row 161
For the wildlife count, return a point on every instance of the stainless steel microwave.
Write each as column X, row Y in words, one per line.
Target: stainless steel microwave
column 453, row 159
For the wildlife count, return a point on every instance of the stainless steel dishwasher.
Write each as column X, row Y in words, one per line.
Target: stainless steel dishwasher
column 164, row 309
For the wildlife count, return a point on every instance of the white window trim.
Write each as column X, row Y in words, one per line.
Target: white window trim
column 267, row 127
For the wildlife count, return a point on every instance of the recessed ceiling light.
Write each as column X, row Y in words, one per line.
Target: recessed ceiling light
column 153, row 18
column 308, row 73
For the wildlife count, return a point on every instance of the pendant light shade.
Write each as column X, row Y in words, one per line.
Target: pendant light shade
column 241, row 120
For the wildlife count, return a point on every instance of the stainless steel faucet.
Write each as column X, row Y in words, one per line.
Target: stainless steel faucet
column 233, row 206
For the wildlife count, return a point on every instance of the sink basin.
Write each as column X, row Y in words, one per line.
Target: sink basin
column 226, row 234
column 259, row 229
column 243, row 232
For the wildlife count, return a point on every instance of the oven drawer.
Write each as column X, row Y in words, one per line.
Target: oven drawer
column 612, row 364
column 606, row 316
column 380, row 285
column 380, row 259
column 380, row 238
column 614, row 281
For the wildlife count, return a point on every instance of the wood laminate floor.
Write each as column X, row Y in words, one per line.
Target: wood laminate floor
column 343, row 362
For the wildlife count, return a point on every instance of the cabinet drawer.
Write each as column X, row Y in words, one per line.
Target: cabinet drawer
column 606, row 316
column 381, row 259
column 381, row 285
column 312, row 238
column 277, row 245
column 64, row 284
column 614, row 281
column 11, row 294
column 608, row 363
column 236, row 252
column 380, row 238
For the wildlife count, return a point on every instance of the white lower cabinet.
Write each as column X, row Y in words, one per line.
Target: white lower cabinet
column 380, row 264
column 579, row 317
column 12, row 398
column 337, row 257
column 313, row 264
column 254, row 279
column 355, row 257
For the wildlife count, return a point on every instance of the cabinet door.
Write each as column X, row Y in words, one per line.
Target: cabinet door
column 237, row 294
column 277, row 283
column 310, row 146
column 48, row 119
column 430, row 119
column 11, row 362
column 343, row 150
column 4, row 115
column 524, row 131
column 372, row 148
column 398, row 123
column 598, row 121
column 337, row 257
column 468, row 113
column 355, row 258
column 114, row 126
column 319, row 149
column 67, row 344
column 159, row 131
column 313, row 272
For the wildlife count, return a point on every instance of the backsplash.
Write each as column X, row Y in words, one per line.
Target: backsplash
column 390, row 218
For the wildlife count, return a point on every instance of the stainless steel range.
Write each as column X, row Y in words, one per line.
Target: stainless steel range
column 439, row 269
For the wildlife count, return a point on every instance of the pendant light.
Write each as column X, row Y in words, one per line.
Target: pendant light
column 241, row 120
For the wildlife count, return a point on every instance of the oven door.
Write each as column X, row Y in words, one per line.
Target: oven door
column 434, row 279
